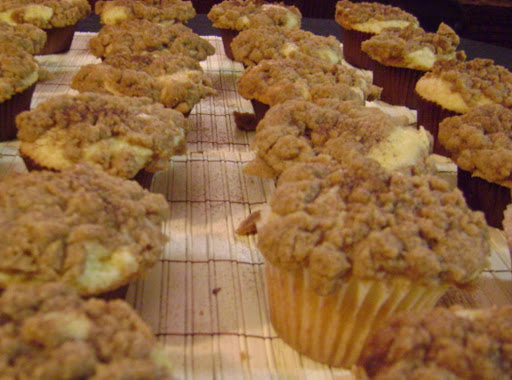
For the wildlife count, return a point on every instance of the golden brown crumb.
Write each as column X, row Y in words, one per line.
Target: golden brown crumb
column 348, row 13
column 154, row 63
column 241, row 15
column 99, row 129
column 275, row 81
column 480, row 141
column 135, row 36
column 442, row 344
column 353, row 218
column 45, row 14
column 168, row 12
column 256, row 44
column 25, row 36
column 412, row 47
column 49, row 332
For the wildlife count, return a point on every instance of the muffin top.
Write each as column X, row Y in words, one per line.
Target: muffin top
column 49, row 332
column 371, row 17
column 81, row 226
column 296, row 130
column 277, row 80
column 176, row 81
column 18, row 71
column 24, row 36
column 443, row 343
column 135, row 36
column 354, row 218
column 246, row 14
column 480, row 142
column 459, row 86
column 44, row 14
column 122, row 135
column 170, row 11
column 256, row 44
column 412, row 47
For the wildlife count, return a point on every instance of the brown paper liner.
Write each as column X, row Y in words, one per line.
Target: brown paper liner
column 490, row 198
column 58, row 40
column 247, row 121
column 429, row 115
column 333, row 329
column 10, row 109
column 227, row 37
column 397, row 84
column 352, row 53
column 116, row 294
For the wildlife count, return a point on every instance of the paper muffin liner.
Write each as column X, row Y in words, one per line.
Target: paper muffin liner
column 429, row 115
column 490, row 198
column 58, row 40
column 227, row 36
column 333, row 329
column 352, row 53
column 10, row 108
column 247, row 121
column 397, row 84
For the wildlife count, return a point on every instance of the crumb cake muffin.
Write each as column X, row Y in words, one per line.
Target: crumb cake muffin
column 121, row 135
column 19, row 73
column 444, row 343
column 362, row 20
column 233, row 16
column 24, row 36
column 166, row 12
column 57, row 18
column 348, row 244
column 399, row 57
column 49, row 332
column 81, row 226
column 256, row 44
column 176, row 81
column 297, row 130
column 480, row 143
column 135, row 36
column 454, row 87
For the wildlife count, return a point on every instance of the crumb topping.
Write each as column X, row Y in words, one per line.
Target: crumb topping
column 70, row 225
column 90, row 127
column 480, row 141
column 168, row 12
column 412, row 47
column 25, row 36
column 45, row 14
column 256, row 44
column 443, row 343
column 135, row 36
column 49, row 332
column 242, row 15
column 354, row 218
column 275, row 81
column 297, row 130
column 349, row 14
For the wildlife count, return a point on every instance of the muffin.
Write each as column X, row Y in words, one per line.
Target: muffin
column 274, row 81
column 453, row 88
column 444, row 343
column 135, row 36
column 121, row 135
column 349, row 244
column 57, row 18
column 480, row 143
column 233, row 16
column 167, row 12
column 19, row 73
column 24, row 36
column 297, row 130
column 399, row 57
column 362, row 20
column 176, row 81
column 256, row 44
column 49, row 332
column 81, row 226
